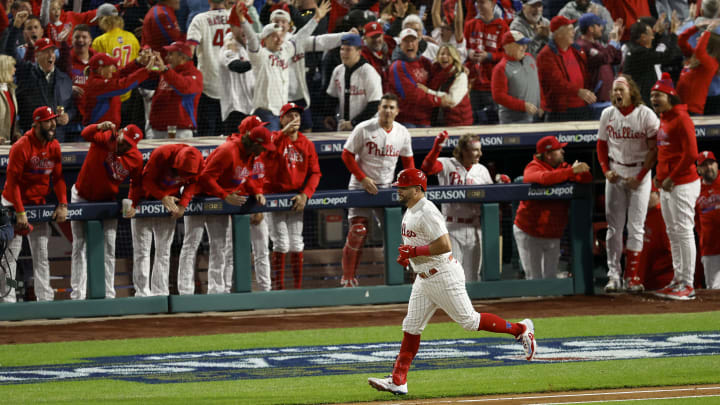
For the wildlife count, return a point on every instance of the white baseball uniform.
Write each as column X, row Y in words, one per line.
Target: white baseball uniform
column 463, row 220
column 626, row 137
column 376, row 152
column 441, row 281
column 237, row 88
column 208, row 30
column 365, row 86
column 143, row 230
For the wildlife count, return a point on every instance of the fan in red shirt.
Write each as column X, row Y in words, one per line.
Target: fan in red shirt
column 539, row 224
column 228, row 175
column 292, row 168
column 708, row 212
column 160, row 26
column 171, row 167
column 378, row 49
column 629, row 11
column 698, row 73
column 112, row 158
column 34, row 158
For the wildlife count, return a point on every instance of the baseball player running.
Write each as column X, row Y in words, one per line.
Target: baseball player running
column 708, row 210
column 439, row 283
column 371, row 154
column 679, row 185
column 627, row 151
column 463, row 220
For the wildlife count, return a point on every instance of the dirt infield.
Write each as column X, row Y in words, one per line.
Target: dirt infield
column 336, row 317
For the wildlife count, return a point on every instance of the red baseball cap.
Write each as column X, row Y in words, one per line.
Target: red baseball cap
column 372, row 28
column 179, row 46
column 549, row 143
column 132, row 134
column 560, row 21
column 513, row 37
column 102, row 59
column 704, row 156
column 665, row 85
column 250, row 122
column 43, row 113
column 290, row 107
column 43, row 44
column 263, row 136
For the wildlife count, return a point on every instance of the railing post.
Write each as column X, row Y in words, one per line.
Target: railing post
column 241, row 253
column 393, row 222
column 581, row 243
column 95, row 245
column 490, row 242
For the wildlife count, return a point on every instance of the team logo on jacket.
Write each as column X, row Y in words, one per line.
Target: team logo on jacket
column 407, row 232
column 292, row 156
column 258, row 171
column 662, row 137
column 708, row 203
column 115, row 168
column 241, row 174
column 40, row 165
column 388, row 150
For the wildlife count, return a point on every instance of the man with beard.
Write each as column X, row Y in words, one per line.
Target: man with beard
column 377, row 49
column 237, row 77
column 34, row 158
column 531, row 23
column 539, row 224
column 708, row 211
column 573, row 10
column 627, row 151
column 602, row 59
column 112, row 158
column 439, row 283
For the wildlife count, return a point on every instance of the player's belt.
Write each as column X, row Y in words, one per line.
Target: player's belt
column 626, row 164
column 461, row 220
column 428, row 273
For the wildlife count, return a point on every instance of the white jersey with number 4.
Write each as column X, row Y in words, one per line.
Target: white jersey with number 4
column 376, row 151
column 627, row 135
column 208, row 31
column 421, row 225
column 454, row 173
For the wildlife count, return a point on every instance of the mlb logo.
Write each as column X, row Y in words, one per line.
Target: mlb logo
column 326, row 148
column 119, row 40
column 273, row 203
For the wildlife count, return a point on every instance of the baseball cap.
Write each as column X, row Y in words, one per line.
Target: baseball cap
column 280, row 13
column 179, row 46
column 269, row 30
column 549, row 143
column 43, row 113
column 105, row 10
column 102, row 59
column 262, row 135
column 515, row 37
column 132, row 134
column 290, row 107
column 665, row 85
column 250, row 122
column 560, row 21
column 372, row 28
column 704, row 156
column 589, row 19
column 351, row 39
column 407, row 32
column 43, row 44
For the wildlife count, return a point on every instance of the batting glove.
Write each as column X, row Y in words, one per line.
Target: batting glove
column 502, row 178
column 403, row 261
column 442, row 137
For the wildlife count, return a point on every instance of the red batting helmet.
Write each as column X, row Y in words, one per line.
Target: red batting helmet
column 411, row 177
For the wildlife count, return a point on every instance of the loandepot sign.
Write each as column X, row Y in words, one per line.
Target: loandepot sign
column 360, row 359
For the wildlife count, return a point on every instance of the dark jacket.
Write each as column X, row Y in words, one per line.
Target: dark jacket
column 640, row 63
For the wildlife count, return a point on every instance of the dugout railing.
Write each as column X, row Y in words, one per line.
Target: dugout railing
column 394, row 290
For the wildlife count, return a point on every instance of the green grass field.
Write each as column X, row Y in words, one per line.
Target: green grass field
column 345, row 388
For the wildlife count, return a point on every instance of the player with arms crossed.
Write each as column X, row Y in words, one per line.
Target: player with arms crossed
column 627, row 151
column 440, row 282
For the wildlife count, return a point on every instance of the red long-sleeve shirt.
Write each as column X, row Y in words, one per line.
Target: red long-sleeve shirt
column 104, row 170
column 415, row 105
column 693, row 85
column 482, row 36
column 30, row 165
column 677, row 146
column 102, row 96
column 68, row 19
column 160, row 28
column 708, row 210
column 229, row 168
column 546, row 218
column 176, row 98
column 629, row 11
column 293, row 167
column 160, row 177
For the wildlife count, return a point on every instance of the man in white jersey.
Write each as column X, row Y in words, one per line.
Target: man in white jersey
column 271, row 63
column 371, row 154
column 463, row 219
column 439, row 283
column 206, row 35
column 627, row 151
column 237, row 78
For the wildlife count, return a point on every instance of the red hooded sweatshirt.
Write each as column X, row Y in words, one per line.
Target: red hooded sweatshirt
column 176, row 99
column 677, row 147
column 226, row 171
column 293, row 167
column 169, row 168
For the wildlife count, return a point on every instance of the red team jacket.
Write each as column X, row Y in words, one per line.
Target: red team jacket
column 176, row 98
column 677, row 147
column 102, row 96
column 160, row 28
column 693, row 84
column 28, row 173
column 485, row 36
column 558, row 92
column 629, row 11
column 293, row 167
column 104, row 170
column 546, row 218
column 655, row 269
column 415, row 105
column 226, row 171
column 160, row 179
column 708, row 210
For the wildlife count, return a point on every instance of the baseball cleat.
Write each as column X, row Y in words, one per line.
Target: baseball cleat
column 663, row 292
column 613, row 285
column 528, row 339
column 634, row 285
column 386, row 384
column 681, row 292
column 353, row 282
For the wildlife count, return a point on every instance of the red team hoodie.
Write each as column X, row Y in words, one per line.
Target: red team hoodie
column 104, row 170
column 546, row 218
column 28, row 173
column 227, row 172
column 176, row 98
column 293, row 166
column 160, row 28
column 415, row 105
column 482, row 36
column 677, row 147
column 160, row 177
